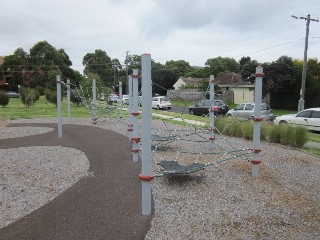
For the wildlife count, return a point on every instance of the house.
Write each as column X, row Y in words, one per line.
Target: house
column 243, row 91
column 187, row 81
column 188, row 94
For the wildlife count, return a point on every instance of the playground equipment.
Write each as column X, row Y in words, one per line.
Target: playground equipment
column 219, row 147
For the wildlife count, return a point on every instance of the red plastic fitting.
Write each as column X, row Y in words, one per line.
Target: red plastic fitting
column 145, row 178
column 135, row 150
column 256, row 150
column 130, row 129
column 135, row 76
column 257, row 119
column 58, row 81
column 212, row 81
column 255, row 161
column 135, row 113
column 135, row 140
column 260, row 74
column 212, row 138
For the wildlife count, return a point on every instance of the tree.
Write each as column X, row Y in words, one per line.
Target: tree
column 248, row 69
column 243, row 61
column 99, row 63
column 180, row 67
column 162, row 79
column 14, row 66
column 222, row 65
column 47, row 59
column 281, row 80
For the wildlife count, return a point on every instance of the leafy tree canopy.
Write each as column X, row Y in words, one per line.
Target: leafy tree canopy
column 222, row 65
column 99, row 63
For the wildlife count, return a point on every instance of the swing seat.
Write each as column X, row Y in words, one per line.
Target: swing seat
column 171, row 167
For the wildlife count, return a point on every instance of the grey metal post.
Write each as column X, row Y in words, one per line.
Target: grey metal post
column 130, row 118
column 146, row 176
column 68, row 97
column 94, row 102
column 211, row 111
column 58, row 80
column 120, row 97
column 257, row 122
column 135, row 117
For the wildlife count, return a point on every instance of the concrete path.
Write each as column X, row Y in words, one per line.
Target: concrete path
column 106, row 205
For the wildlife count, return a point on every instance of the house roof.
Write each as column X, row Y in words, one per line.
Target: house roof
column 230, row 78
column 190, row 80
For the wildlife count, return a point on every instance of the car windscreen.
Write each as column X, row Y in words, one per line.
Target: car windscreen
column 164, row 99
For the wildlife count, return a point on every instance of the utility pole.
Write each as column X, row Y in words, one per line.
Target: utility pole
column 127, row 72
column 304, row 71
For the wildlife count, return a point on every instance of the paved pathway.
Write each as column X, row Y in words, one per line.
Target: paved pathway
column 106, row 206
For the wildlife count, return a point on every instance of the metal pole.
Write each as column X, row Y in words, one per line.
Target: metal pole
column 130, row 117
column 257, row 123
column 135, row 117
column 146, row 176
column 58, row 80
column 211, row 111
column 120, row 97
column 94, row 102
column 68, row 96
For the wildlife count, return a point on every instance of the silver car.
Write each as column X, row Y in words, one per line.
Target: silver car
column 246, row 111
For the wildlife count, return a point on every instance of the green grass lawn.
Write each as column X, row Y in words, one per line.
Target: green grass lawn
column 41, row 109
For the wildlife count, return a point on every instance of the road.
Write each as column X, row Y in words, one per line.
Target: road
column 180, row 109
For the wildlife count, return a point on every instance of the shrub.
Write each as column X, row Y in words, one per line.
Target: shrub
column 40, row 90
column 247, row 130
column 287, row 135
column 29, row 96
column 4, row 98
column 75, row 98
column 275, row 134
column 51, row 96
column 301, row 136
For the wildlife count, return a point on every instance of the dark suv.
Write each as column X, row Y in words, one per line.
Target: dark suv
column 202, row 107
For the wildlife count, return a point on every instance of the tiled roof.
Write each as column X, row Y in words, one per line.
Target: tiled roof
column 230, row 78
column 190, row 80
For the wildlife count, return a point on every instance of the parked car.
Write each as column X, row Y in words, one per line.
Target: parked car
column 13, row 94
column 202, row 107
column 125, row 99
column 140, row 101
column 309, row 118
column 113, row 98
column 246, row 111
column 161, row 102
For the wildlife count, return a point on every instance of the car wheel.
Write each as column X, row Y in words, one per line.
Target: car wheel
column 283, row 122
column 191, row 111
column 158, row 108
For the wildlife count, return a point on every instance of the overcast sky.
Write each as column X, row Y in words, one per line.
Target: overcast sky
column 167, row 29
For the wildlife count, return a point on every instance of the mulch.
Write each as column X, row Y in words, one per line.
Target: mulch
column 106, row 205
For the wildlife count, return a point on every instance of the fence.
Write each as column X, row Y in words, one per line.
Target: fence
column 194, row 94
